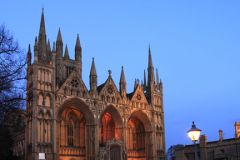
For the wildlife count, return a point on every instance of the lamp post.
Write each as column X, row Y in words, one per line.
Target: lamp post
column 194, row 134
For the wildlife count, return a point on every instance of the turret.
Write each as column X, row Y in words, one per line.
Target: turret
column 151, row 79
column 93, row 77
column 59, row 45
column 42, row 47
column 122, row 84
column 157, row 78
column 78, row 51
column 66, row 55
column 29, row 56
column 36, row 51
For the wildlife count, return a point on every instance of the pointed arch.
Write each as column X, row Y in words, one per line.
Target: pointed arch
column 140, row 115
column 113, row 111
column 80, row 105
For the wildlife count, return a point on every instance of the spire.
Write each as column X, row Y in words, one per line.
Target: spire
column 42, row 24
column 160, row 81
column 59, row 36
column 36, row 43
column 93, row 69
column 48, row 46
column 66, row 55
column 93, row 77
column 150, row 58
column 29, row 56
column 157, row 76
column 78, row 42
column 122, row 78
column 151, row 78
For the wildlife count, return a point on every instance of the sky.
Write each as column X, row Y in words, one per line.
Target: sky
column 195, row 46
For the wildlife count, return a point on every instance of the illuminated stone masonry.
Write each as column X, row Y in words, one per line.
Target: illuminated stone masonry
column 67, row 121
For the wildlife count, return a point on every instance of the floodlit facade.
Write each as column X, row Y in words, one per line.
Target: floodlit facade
column 65, row 120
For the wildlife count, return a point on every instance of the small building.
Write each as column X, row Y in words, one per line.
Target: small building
column 223, row 149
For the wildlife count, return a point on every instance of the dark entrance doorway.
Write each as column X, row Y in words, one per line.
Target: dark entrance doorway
column 115, row 152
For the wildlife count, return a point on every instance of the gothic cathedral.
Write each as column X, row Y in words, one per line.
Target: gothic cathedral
column 66, row 121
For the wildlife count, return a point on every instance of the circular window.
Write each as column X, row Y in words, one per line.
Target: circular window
column 74, row 83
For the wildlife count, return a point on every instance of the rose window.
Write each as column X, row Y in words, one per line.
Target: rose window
column 74, row 83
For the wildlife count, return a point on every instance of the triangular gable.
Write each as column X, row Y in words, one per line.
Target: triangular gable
column 109, row 88
column 74, row 75
column 138, row 95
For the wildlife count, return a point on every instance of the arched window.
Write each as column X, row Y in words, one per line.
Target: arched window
column 40, row 99
column 47, row 101
column 70, row 133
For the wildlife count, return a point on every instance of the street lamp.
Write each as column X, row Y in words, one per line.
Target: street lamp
column 194, row 134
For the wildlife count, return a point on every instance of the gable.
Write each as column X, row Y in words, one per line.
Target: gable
column 138, row 95
column 109, row 89
column 73, row 85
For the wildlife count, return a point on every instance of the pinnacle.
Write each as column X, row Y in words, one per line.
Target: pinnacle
column 42, row 25
column 59, row 36
column 93, row 69
column 150, row 58
column 78, row 42
column 66, row 55
column 48, row 46
column 122, row 78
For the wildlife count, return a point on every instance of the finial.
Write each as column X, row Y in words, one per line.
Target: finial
column 92, row 58
column 109, row 71
column 43, row 8
column 122, row 67
column 78, row 35
column 137, row 81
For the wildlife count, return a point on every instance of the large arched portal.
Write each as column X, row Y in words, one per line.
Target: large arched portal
column 75, row 130
column 138, row 136
column 72, row 133
column 111, row 125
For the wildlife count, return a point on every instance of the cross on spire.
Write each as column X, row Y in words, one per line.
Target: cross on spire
column 109, row 71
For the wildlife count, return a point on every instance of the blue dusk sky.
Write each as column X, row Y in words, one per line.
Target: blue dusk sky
column 195, row 46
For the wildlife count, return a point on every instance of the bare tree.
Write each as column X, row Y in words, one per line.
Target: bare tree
column 12, row 91
column 12, row 74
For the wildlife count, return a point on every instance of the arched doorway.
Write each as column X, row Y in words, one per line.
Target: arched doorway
column 75, row 130
column 138, row 136
column 111, row 134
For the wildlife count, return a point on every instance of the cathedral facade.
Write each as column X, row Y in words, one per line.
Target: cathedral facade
column 68, row 121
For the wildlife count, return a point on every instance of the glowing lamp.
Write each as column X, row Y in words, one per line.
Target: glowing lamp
column 194, row 133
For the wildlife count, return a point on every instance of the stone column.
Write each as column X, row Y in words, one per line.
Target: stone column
column 96, row 131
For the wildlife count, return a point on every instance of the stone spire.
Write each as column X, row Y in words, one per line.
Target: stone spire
column 48, row 46
column 29, row 56
column 78, row 50
column 42, row 47
column 93, row 69
column 36, row 51
column 93, row 77
column 66, row 55
column 59, row 36
column 42, row 24
column 122, row 78
column 151, row 78
column 122, row 84
column 59, row 45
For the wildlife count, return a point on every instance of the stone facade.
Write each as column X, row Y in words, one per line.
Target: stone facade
column 65, row 120
column 224, row 149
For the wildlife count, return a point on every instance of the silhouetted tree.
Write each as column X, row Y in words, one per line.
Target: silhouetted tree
column 171, row 151
column 12, row 90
